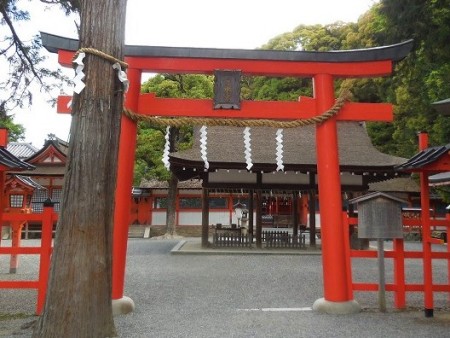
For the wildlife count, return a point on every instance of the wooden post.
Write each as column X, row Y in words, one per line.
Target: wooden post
column 258, row 218
column 251, row 207
column 312, row 210
column 295, row 213
column 205, row 217
column 381, row 276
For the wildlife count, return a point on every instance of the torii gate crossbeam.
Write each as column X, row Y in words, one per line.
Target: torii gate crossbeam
column 323, row 67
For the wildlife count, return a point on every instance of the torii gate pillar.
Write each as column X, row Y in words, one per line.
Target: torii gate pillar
column 128, row 129
column 338, row 297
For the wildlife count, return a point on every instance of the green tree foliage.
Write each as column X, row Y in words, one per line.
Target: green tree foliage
column 303, row 37
column 418, row 81
column 25, row 63
column 15, row 131
column 424, row 77
column 151, row 140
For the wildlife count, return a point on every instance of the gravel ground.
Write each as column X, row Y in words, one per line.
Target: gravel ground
column 242, row 296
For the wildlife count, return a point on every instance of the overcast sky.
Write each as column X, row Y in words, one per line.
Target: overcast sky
column 246, row 24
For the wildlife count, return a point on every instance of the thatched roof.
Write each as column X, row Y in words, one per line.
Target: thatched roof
column 225, row 150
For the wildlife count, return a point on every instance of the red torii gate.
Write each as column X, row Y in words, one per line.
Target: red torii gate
column 323, row 67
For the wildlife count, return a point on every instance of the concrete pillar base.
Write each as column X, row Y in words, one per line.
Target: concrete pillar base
column 336, row 308
column 122, row 306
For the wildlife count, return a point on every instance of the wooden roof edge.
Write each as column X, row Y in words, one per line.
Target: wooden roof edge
column 394, row 52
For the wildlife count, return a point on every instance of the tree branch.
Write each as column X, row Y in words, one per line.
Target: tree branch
column 18, row 43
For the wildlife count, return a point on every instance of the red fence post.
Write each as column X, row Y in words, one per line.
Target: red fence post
column 346, row 229
column 426, row 234
column 447, row 230
column 46, row 247
column 16, row 235
column 399, row 273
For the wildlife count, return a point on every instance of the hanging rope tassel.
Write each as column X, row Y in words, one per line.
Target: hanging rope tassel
column 248, row 148
column 279, row 139
column 203, row 145
column 166, row 151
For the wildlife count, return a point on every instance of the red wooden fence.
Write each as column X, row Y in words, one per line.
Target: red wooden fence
column 48, row 217
column 398, row 254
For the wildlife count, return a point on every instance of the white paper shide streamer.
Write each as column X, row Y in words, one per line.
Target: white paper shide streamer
column 165, row 158
column 79, row 75
column 122, row 76
column 279, row 139
column 203, row 145
column 248, row 148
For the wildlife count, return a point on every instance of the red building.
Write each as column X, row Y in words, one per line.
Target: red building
column 42, row 180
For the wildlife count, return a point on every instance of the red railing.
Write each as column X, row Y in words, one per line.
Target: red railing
column 398, row 254
column 47, row 218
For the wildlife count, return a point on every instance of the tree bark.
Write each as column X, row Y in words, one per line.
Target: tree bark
column 78, row 302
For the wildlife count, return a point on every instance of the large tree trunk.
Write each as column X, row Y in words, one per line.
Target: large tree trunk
column 78, row 300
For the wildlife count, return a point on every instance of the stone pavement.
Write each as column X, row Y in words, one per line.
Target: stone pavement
column 222, row 295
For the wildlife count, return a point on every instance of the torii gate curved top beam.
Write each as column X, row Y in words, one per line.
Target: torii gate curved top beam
column 371, row 61
column 395, row 52
column 352, row 63
column 323, row 67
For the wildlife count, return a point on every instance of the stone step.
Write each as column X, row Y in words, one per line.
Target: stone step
column 138, row 231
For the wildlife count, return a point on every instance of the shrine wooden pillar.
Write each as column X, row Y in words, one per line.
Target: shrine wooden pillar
column 312, row 210
column 337, row 296
column 258, row 218
column 127, row 146
column 251, row 207
column 295, row 212
column 205, row 217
